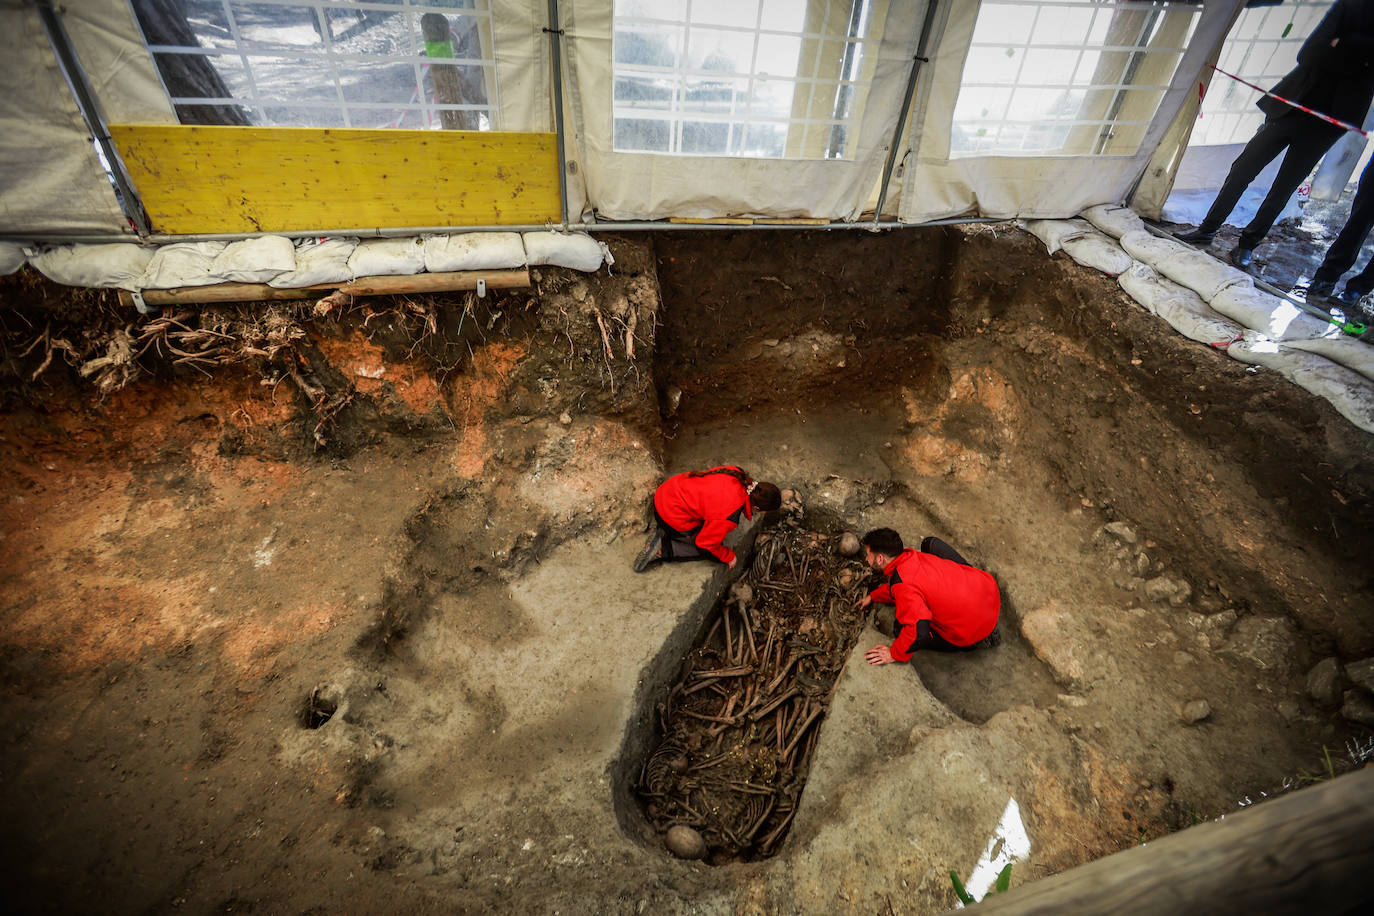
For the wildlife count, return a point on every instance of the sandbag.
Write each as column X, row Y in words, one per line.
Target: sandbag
column 255, row 260
column 1099, row 252
column 118, row 265
column 1355, row 355
column 1055, row 232
column 474, row 251
column 1200, row 272
column 12, row 257
column 387, row 258
column 1182, row 308
column 1113, row 220
column 183, row 264
column 573, row 250
column 318, row 261
column 1272, row 316
column 1349, row 392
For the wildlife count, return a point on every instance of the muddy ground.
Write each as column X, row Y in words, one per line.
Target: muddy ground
column 345, row 622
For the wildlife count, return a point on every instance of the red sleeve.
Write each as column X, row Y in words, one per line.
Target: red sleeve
column 911, row 608
column 882, row 594
column 711, row 535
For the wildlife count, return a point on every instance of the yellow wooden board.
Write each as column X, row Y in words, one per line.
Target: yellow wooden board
column 252, row 179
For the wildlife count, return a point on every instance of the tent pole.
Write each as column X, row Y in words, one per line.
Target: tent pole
column 556, row 35
column 90, row 112
column 906, row 109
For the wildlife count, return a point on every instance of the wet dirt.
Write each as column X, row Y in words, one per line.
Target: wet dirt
column 191, row 579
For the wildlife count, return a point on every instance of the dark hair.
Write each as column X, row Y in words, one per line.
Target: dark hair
column 765, row 496
column 884, row 541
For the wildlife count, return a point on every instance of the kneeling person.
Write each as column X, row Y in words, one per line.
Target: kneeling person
column 941, row 602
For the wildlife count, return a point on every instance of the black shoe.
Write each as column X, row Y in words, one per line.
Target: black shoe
column 1348, row 296
column 652, row 551
column 993, row 639
column 1198, row 236
column 1317, row 289
column 1241, row 257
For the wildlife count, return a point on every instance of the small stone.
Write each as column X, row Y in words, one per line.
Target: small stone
column 1362, row 673
column 1120, row 531
column 1324, row 683
column 1163, row 588
column 684, row 842
column 849, row 545
column 1142, row 563
column 1358, row 707
column 1183, row 658
column 1290, row 710
column 1195, row 711
column 1073, row 702
column 565, row 419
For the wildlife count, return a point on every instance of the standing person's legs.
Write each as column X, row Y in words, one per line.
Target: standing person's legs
column 1307, row 143
column 1267, row 143
column 939, row 548
column 1345, row 250
column 1361, row 284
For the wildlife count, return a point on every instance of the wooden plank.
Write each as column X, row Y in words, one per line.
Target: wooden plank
column 1306, row 852
column 713, row 221
column 363, row 286
column 195, row 179
column 793, row 221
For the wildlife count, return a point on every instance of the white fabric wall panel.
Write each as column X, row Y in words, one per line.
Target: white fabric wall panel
column 50, row 178
column 106, row 38
column 630, row 185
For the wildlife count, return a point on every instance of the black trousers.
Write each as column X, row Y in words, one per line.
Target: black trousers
column 929, row 640
column 680, row 546
column 1345, row 250
column 1305, row 139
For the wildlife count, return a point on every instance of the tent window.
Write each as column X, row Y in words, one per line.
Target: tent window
column 1261, row 47
column 1067, row 77
column 325, row 63
column 748, row 78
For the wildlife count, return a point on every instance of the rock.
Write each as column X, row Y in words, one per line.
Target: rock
column 565, row 418
column 1120, row 531
column 1195, row 711
column 1163, row 588
column 684, row 842
column 1290, row 710
column 1142, row 564
column 1362, row 673
column 1266, row 642
column 1358, row 707
column 849, row 545
column 1183, row 658
column 1324, row 683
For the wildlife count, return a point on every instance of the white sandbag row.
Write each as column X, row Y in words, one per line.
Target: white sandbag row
column 278, row 262
column 1081, row 242
column 1184, row 264
column 1181, row 307
column 1114, row 221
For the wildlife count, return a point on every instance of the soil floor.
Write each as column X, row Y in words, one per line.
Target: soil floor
column 353, row 628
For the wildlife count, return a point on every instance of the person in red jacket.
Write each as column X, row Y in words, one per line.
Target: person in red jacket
column 940, row 601
column 696, row 510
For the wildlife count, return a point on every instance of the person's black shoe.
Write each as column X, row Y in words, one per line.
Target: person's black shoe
column 652, row 551
column 1198, row 236
column 1348, row 296
column 1317, row 289
column 993, row 639
column 1242, row 257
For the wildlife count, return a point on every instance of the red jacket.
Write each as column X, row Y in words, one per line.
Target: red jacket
column 711, row 503
column 961, row 602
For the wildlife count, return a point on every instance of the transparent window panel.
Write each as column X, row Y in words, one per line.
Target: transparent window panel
column 1086, row 68
column 982, row 103
column 648, row 45
column 763, row 140
column 656, row 92
column 1050, row 65
column 1003, row 24
column 642, row 134
column 286, row 116
column 993, row 65
column 714, row 96
column 705, row 137
column 1101, row 27
column 771, row 98
column 1035, row 104
column 716, row 49
column 736, row 13
column 370, row 31
column 1058, row 25
column 784, row 15
column 673, row 10
column 208, row 23
column 778, row 55
column 264, row 26
column 293, row 79
column 378, row 81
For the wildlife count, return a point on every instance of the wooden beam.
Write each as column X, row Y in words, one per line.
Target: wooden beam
column 1304, row 853
column 198, row 179
column 363, row 286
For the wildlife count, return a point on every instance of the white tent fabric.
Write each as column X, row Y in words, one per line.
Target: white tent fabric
column 652, row 185
column 50, row 178
column 1031, row 187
